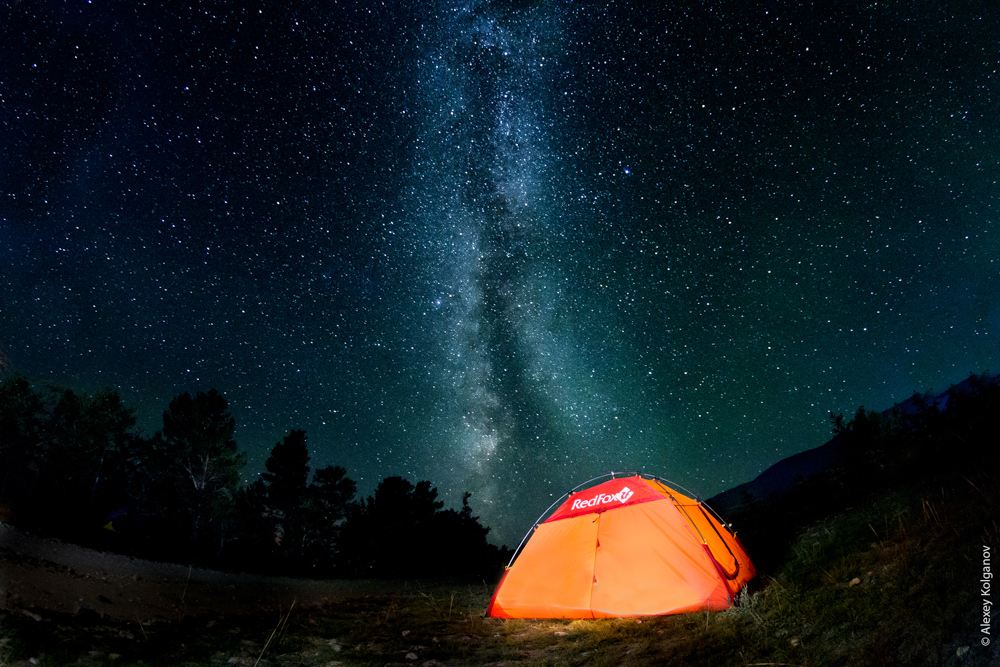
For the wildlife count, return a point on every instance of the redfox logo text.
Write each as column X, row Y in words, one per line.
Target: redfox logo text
column 604, row 498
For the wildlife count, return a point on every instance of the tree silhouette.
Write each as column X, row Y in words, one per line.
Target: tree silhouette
column 58, row 452
column 285, row 481
column 252, row 545
column 402, row 530
column 21, row 417
column 88, row 433
column 197, row 439
column 386, row 535
column 68, row 458
column 329, row 498
column 462, row 547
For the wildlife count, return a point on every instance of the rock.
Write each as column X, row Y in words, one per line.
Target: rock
column 412, row 656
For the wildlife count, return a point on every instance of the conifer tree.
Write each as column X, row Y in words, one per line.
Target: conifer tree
column 285, row 479
column 330, row 497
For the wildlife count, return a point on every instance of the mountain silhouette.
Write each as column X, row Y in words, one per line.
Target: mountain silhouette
column 786, row 473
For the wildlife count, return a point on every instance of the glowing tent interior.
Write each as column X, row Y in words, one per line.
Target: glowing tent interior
column 630, row 546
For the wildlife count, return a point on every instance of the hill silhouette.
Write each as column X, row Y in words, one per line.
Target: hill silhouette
column 784, row 475
column 926, row 441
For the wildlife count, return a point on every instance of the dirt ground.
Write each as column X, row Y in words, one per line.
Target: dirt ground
column 40, row 574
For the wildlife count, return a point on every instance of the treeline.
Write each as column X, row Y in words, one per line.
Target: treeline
column 926, row 442
column 925, row 438
column 74, row 466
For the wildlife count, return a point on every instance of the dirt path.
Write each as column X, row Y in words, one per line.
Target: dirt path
column 38, row 574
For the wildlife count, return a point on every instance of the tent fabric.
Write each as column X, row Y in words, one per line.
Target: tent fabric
column 630, row 546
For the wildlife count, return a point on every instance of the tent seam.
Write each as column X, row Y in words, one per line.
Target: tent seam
column 593, row 572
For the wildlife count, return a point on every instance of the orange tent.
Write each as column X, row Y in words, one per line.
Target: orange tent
column 631, row 546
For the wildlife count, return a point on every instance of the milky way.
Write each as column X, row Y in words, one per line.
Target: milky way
column 504, row 246
column 482, row 165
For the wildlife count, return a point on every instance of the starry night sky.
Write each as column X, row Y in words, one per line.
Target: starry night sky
column 504, row 246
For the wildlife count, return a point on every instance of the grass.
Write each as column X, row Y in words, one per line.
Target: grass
column 894, row 582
